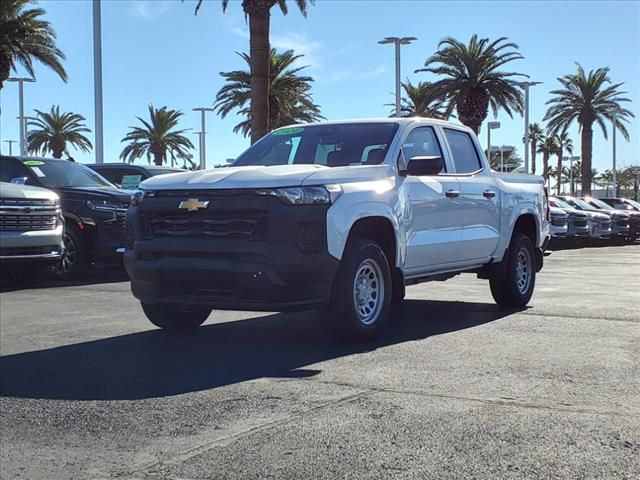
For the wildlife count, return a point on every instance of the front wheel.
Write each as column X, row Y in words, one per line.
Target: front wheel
column 175, row 318
column 362, row 292
column 74, row 258
column 513, row 285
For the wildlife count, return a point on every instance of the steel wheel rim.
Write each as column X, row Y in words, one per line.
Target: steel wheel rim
column 70, row 254
column 523, row 271
column 368, row 291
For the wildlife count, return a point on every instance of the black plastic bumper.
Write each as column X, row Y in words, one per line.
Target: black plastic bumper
column 272, row 274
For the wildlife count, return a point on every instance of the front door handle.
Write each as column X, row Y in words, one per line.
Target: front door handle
column 489, row 193
column 452, row 193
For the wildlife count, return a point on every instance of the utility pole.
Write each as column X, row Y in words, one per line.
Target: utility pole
column 10, row 142
column 203, row 135
column 97, row 80
column 397, row 41
column 22, row 118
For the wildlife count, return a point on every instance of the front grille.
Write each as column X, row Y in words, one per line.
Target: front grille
column 622, row 223
column 27, row 222
column 580, row 223
column 120, row 218
column 558, row 221
column 22, row 215
column 219, row 223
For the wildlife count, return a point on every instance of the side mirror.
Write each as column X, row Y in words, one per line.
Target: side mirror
column 425, row 165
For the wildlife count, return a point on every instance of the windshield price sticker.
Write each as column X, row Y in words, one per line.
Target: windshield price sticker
column 33, row 163
column 288, row 131
column 130, row 182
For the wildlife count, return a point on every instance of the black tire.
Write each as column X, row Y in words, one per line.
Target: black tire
column 75, row 257
column 512, row 286
column 362, row 291
column 175, row 318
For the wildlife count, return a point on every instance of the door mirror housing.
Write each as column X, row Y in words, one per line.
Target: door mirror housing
column 425, row 165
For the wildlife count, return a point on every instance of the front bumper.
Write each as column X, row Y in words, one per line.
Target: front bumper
column 37, row 245
column 268, row 274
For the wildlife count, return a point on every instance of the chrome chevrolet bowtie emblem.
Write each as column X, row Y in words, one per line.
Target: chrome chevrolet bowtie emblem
column 193, row 204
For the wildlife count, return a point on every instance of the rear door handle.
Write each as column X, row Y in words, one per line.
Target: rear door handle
column 452, row 193
column 489, row 193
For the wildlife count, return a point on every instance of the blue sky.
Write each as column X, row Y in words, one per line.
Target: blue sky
column 157, row 51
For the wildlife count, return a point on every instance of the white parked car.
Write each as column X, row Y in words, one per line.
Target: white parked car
column 31, row 228
column 337, row 216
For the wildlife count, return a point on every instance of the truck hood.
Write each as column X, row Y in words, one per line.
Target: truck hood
column 266, row 177
column 25, row 192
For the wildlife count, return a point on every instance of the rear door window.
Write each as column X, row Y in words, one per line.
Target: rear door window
column 463, row 149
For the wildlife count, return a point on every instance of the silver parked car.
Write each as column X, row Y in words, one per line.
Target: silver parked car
column 559, row 225
column 578, row 222
column 31, row 228
column 619, row 221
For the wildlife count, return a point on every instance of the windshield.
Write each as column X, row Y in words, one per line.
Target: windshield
column 61, row 173
column 581, row 204
column 162, row 171
column 634, row 204
column 330, row 145
column 600, row 204
column 556, row 202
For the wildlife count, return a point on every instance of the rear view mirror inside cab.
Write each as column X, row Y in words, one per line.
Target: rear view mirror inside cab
column 424, row 165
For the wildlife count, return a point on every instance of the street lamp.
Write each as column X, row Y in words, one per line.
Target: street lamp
column 615, row 174
column 203, row 135
column 526, row 86
column 10, row 142
column 571, row 160
column 23, row 123
column 397, row 41
column 490, row 126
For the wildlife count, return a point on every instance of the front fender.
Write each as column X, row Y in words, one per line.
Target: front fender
column 353, row 207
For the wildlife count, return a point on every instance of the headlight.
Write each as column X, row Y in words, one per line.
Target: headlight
column 316, row 195
column 106, row 205
column 139, row 194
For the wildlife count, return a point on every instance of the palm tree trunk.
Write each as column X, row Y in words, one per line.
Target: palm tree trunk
column 559, row 153
column 258, row 13
column 157, row 158
column 533, row 157
column 545, row 166
column 587, row 147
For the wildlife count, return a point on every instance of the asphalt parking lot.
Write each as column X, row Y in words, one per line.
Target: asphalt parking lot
column 456, row 389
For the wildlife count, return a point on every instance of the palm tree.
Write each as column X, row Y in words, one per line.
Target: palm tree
column 24, row 37
column 258, row 13
column 509, row 158
column 419, row 101
column 289, row 93
column 547, row 147
column 535, row 135
column 587, row 98
column 473, row 81
column 157, row 138
column 53, row 131
column 605, row 179
column 563, row 144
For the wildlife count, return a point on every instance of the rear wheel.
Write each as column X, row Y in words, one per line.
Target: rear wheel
column 362, row 292
column 175, row 317
column 513, row 285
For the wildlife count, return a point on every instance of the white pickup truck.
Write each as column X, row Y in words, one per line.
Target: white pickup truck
column 335, row 216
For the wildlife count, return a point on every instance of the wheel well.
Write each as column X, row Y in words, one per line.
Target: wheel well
column 380, row 230
column 527, row 224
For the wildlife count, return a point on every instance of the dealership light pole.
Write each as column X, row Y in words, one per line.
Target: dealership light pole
column 526, row 86
column 397, row 41
column 615, row 174
column 490, row 126
column 97, row 80
column 23, row 120
column 10, row 142
column 203, row 135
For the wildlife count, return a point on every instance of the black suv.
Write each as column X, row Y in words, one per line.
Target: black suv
column 128, row 176
column 93, row 208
